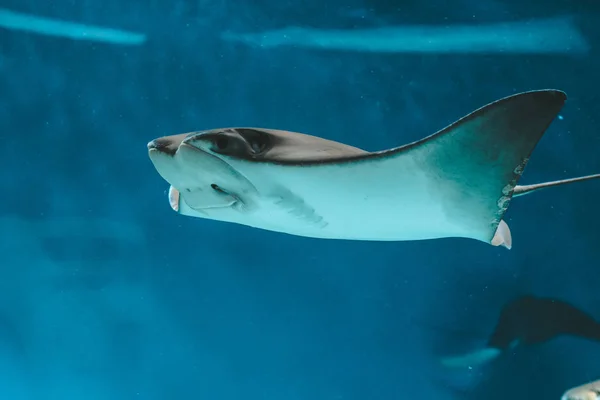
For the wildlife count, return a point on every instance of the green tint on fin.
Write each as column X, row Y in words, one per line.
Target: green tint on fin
column 477, row 161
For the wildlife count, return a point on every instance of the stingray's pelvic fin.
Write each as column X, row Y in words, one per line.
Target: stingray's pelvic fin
column 526, row 189
column 502, row 237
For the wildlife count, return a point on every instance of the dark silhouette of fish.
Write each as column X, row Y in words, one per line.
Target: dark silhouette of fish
column 527, row 321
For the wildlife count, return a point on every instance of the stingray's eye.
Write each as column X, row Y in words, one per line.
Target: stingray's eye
column 258, row 146
column 257, row 140
column 228, row 144
column 222, row 142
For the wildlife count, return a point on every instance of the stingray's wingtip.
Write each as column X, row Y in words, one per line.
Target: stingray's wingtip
column 562, row 95
column 502, row 237
column 556, row 92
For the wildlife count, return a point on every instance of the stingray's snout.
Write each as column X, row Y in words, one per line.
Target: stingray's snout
column 164, row 145
column 167, row 144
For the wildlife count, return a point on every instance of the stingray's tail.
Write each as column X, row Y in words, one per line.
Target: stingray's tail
column 526, row 189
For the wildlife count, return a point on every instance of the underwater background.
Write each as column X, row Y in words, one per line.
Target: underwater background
column 106, row 293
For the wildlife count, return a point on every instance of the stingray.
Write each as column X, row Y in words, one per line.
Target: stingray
column 528, row 321
column 457, row 182
column 588, row 391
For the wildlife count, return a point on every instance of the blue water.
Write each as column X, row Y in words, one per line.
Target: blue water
column 106, row 293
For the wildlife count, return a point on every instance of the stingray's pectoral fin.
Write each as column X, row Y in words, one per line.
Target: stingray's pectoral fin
column 475, row 163
column 473, row 359
column 502, row 237
column 526, row 189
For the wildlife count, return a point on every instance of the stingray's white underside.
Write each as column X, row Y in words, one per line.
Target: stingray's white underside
column 385, row 200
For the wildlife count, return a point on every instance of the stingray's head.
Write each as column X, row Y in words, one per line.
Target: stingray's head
column 200, row 177
column 234, row 143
